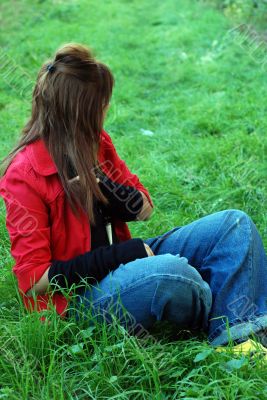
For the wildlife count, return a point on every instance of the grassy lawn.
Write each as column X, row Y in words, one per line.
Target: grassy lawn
column 182, row 76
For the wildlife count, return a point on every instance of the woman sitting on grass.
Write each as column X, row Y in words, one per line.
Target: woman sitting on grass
column 68, row 197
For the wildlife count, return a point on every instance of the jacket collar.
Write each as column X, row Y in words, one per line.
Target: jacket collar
column 40, row 158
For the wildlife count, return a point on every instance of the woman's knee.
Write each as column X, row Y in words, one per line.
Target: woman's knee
column 237, row 216
column 168, row 265
column 179, row 286
column 236, row 222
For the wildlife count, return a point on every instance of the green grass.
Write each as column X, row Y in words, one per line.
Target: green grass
column 244, row 11
column 180, row 75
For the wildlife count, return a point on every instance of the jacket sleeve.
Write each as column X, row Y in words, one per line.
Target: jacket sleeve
column 116, row 169
column 27, row 222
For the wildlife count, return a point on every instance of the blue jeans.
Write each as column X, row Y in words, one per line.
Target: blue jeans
column 209, row 275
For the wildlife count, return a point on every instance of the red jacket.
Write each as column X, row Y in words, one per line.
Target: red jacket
column 40, row 222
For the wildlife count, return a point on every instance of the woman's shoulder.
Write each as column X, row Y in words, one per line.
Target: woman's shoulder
column 31, row 165
column 33, row 157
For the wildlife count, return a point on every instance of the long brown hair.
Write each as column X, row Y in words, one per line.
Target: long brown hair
column 69, row 100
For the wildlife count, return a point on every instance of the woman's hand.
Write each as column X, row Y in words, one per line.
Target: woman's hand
column 148, row 250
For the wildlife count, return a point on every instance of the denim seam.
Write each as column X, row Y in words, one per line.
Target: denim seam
column 156, row 241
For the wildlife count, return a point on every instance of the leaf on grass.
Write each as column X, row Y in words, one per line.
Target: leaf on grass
column 76, row 348
column 114, row 347
column 146, row 132
column 235, row 364
column 86, row 333
column 190, row 394
column 178, row 373
column 203, row 355
column 113, row 379
column 5, row 393
column 96, row 357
